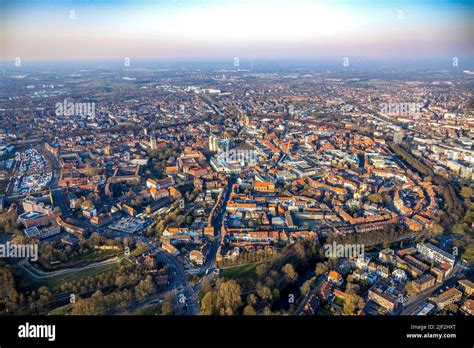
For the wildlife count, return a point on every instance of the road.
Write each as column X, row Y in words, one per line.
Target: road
column 185, row 301
column 210, row 262
column 38, row 274
column 310, row 293
column 59, row 201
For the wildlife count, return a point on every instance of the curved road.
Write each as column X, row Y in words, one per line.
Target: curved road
column 38, row 274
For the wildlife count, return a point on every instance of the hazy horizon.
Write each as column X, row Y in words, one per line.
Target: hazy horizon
column 47, row 30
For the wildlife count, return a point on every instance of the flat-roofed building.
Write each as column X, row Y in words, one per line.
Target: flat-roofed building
column 34, row 218
column 467, row 286
column 444, row 299
column 155, row 205
column 468, row 307
column 387, row 294
column 422, row 283
column 434, row 253
column 42, row 232
column 439, row 273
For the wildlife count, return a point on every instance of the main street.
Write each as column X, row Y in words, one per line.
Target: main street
column 210, row 262
column 310, row 294
column 206, row 271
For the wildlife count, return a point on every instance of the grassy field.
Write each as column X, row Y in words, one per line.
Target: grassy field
column 56, row 281
column 83, row 260
column 339, row 301
column 240, row 272
column 150, row 310
column 64, row 310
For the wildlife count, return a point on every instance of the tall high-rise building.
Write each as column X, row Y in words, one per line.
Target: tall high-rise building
column 213, row 143
column 398, row 137
column 108, row 150
column 152, row 143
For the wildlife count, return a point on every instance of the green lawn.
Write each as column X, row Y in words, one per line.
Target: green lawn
column 339, row 301
column 240, row 272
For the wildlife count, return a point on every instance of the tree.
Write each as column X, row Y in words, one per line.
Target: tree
column 269, row 282
column 289, row 273
column 375, row 198
column 453, row 308
column 352, row 302
column 8, row 293
column 261, row 270
column 251, row 299
column 207, row 305
column 459, row 229
column 306, row 286
column 321, row 268
column 91, row 171
column 300, row 253
column 467, row 192
column 349, row 307
column 8, row 222
column 249, row 310
column 351, row 286
column 205, row 286
column 276, row 294
column 228, row 296
column 437, row 229
column 95, row 239
column 167, row 306
column 140, row 247
column 145, row 288
column 89, row 306
column 265, row 293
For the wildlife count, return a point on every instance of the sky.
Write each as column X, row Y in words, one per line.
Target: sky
column 222, row 30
